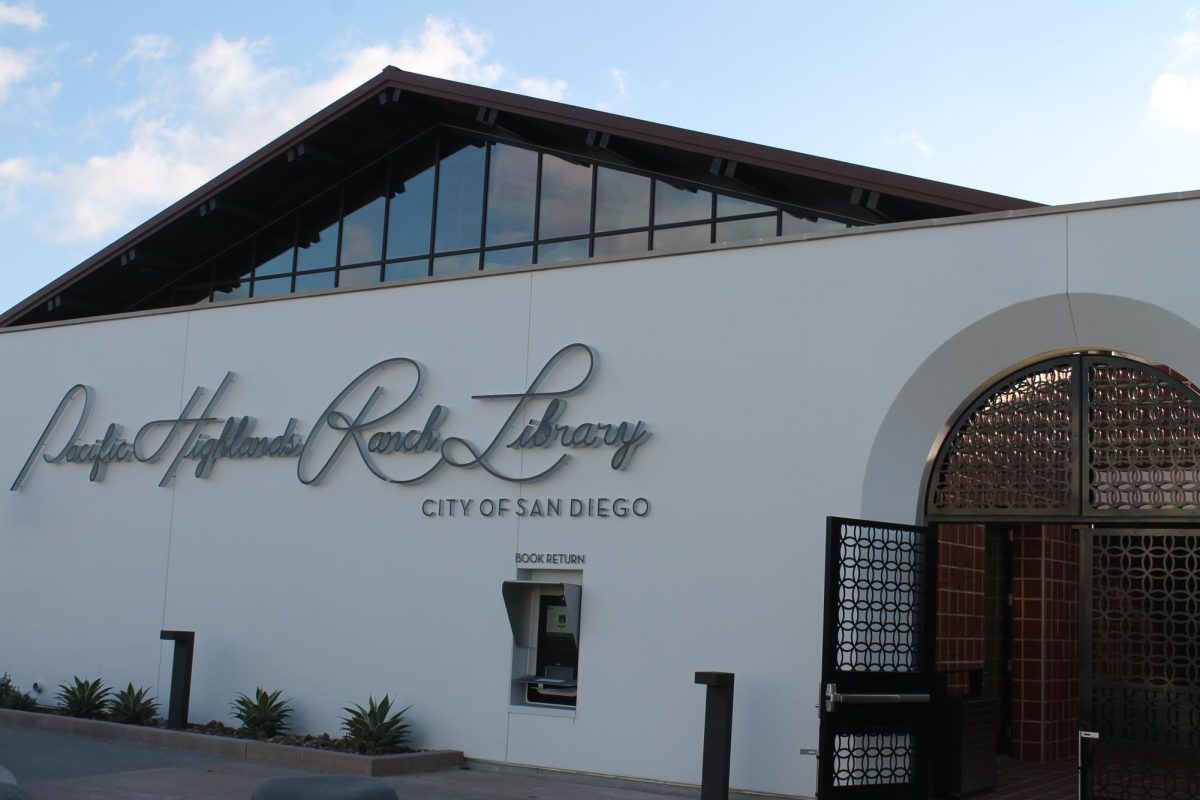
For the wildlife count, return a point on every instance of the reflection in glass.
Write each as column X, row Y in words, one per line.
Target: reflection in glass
column 362, row 226
column 795, row 223
column 460, row 196
column 232, row 290
column 689, row 237
column 621, row 244
column 273, row 286
column 744, row 229
column 622, row 200
column 406, row 270
column 733, row 206
column 509, row 257
column 318, row 234
column 562, row 251
column 566, row 207
column 273, row 248
column 314, row 281
column 672, row 204
column 512, row 189
column 231, row 273
column 453, row 265
column 410, row 210
column 358, row 276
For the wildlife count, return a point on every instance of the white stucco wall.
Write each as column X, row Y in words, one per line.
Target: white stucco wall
column 782, row 383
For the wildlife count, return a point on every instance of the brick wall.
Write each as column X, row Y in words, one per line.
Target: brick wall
column 961, row 627
column 1045, row 642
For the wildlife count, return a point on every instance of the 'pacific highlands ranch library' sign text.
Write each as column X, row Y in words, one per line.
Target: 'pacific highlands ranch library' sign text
column 338, row 429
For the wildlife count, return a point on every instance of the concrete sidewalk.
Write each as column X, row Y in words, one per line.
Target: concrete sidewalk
column 55, row 766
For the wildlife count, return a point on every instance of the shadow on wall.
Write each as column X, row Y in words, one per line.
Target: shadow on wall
column 994, row 346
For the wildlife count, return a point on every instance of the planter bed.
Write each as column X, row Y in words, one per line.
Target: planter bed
column 247, row 749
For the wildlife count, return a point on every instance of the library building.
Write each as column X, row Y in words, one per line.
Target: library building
column 524, row 414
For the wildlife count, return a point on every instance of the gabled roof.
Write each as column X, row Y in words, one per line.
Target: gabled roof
column 395, row 107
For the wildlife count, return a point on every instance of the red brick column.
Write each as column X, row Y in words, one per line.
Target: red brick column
column 961, row 629
column 1045, row 642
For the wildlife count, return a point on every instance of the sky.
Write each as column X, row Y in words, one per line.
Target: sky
column 111, row 111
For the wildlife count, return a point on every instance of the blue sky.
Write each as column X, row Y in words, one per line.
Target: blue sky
column 111, row 111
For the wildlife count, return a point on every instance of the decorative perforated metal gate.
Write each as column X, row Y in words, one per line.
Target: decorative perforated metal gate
column 877, row 660
column 1140, row 664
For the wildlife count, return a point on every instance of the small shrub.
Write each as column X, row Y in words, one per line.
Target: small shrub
column 85, row 699
column 372, row 731
column 132, row 706
column 12, row 697
column 264, row 716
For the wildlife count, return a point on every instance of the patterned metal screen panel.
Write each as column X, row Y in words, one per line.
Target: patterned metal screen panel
column 1144, row 440
column 1084, row 436
column 873, row 759
column 880, row 586
column 1145, row 637
column 1014, row 449
column 1118, row 770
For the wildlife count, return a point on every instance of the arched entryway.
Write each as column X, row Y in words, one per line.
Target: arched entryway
column 1066, row 496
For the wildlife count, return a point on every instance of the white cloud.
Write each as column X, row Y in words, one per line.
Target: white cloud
column 1175, row 102
column 914, row 140
column 13, row 67
column 23, row 16
column 15, row 175
column 148, row 47
column 620, row 79
column 542, row 87
column 228, row 103
column 1175, row 94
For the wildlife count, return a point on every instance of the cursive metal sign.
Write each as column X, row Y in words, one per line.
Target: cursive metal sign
column 368, row 429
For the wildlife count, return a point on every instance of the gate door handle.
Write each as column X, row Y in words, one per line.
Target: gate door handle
column 833, row 697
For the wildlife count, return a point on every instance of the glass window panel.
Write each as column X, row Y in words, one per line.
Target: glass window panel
column 566, row 208
column 453, row 265
column 510, row 257
column 318, row 234
column 690, row 237
column 273, row 286
column 460, row 195
column 273, row 248
column 362, row 226
column 621, row 244
column 796, row 223
column 410, row 205
column 230, row 289
column 512, row 190
column 733, row 206
column 743, row 229
column 562, row 251
column 314, row 281
column 231, row 273
column 359, row 276
column 672, row 204
column 622, row 200
column 406, row 270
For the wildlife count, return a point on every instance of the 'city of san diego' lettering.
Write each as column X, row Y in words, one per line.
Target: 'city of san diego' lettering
column 355, row 419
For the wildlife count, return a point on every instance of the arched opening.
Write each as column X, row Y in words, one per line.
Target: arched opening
column 1067, row 500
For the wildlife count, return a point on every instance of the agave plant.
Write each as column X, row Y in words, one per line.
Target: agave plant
column 132, row 706
column 264, row 716
column 372, row 730
column 85, row 699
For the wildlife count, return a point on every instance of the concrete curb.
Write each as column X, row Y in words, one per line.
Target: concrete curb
column 242, row 749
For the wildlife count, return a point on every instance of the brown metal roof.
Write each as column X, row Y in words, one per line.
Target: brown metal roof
column 929, row 198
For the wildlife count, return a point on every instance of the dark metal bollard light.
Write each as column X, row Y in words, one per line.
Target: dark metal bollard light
column 718, row 734
column 181, row 676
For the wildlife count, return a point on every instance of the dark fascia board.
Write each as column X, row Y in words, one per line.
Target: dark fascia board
column 866, row 178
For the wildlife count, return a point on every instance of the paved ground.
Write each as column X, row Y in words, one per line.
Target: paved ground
column 56, row 766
